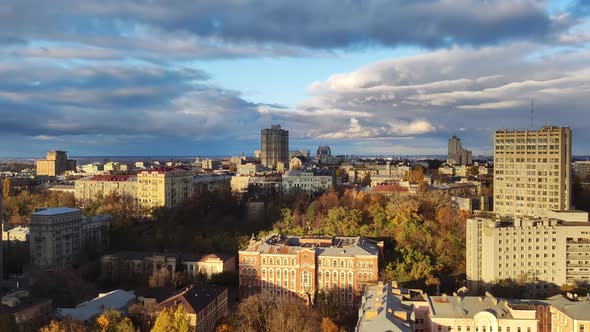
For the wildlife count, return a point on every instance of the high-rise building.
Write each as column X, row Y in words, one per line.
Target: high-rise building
column 532, row 171
column 55, row 163
column 323, row 154
column 457, row 155
column 163, row 187
column 301, row 267
column 543, row 253
column 58, row 234
column 274, row 144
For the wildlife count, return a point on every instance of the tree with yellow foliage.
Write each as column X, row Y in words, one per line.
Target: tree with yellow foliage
column 170, row 320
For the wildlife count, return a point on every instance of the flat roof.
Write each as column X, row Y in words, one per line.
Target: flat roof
column 55, row 211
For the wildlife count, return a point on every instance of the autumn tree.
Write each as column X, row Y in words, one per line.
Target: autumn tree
column 329, row 326
column 65, row 325
column 112, row 321
column 160, row 278
column 6, row 188
column 171, row 320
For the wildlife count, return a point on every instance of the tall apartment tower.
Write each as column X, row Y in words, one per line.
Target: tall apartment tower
column 55, row 163
column 274, row 144
column 457, row 155
column 532, row 172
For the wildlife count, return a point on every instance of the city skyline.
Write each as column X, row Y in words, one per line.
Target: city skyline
column 122, row 78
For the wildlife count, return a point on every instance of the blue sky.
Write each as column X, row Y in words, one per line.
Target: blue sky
column 134, row 77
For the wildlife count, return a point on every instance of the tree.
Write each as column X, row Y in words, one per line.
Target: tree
column 66, row 325
column 329, row 326
column 366, row 182
column 6, row 188
column 170, row 320
column 112, row 321
column 473, row 170
column 8, row 322
column 160, row 278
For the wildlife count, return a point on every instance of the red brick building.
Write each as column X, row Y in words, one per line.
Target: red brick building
column 306, row 266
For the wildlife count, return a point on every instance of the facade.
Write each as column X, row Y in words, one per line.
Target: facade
column 55, row 163
column 323, row 154
column 16, row 234
column 479, row 314
column 86, row 311
column 144, row 264
column 544, row 253
column 57, row 235
column 210, row 182
column 164, row 187
column 582, row 169
column 570, row 313
column 90, row 188
column 94, row 168
column 274, row 145
column 249, row 168
column 205, row 305
column 307, row 180
column 385, row 307
column 302, row 267
column 457, row 155
column 210, row 164
column 532, row 171
column 30, row 312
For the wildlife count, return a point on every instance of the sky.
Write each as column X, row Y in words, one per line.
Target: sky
column 366, row 77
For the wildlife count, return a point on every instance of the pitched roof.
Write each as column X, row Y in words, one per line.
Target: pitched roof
column 195, row 297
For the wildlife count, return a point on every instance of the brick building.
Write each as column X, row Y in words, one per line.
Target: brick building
column 305, row 266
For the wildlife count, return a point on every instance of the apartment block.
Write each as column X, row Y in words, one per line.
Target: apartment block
column 274, row 146
column 532, row 171
column 91, row 188
column 302, row 267
column 312, row 181
column 55, row 163
column 582, row 169
column 545, row 253
column 164, row 187
column 57, row 235
column 457, row 155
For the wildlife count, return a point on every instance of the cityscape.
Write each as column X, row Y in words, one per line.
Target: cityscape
column 262, row 166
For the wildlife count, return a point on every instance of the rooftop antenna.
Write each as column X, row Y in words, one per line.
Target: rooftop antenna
column 533, row 114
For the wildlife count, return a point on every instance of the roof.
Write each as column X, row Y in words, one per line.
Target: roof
column 117, row 299
column 119, row 178
column 469, row 306
column 195, row 297
column 578, row 309
column 54, row 211
column 323, row 246
column 18, row 229
column 386, row 308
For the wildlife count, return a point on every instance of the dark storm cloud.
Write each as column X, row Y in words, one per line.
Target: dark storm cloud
column 115, row 100
column 276, row 23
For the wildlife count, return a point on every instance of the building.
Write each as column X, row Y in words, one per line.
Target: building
column 582, row 169
column 164, row 187
column 570, row 313
column 543, row 253
column 323, row 154
column 479, row 314
column 57, row 235
column 55, row 163
column 30, row 312
column 297, row 162
column 210, row 164
column 91, row 188
column 118, row 299
column 274, row 146
column 457, row 155
column 385, row 307
column 302, row 267
column 18, row 234
column 144, row 264
column 532, row 171
column 211, row 182
column 311, row 181
column 205, row 304
column 249, row 168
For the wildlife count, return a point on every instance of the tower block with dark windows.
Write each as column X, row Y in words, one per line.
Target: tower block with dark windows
column 274, row 146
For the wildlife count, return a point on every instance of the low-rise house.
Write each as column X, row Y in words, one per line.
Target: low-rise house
column 205, row 304
column 29, row 312
column 86, row 311
column 570, row 313
column 145, row 264
column 307, row 180
column 16, row 234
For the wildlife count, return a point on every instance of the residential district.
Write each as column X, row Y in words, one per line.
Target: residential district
column 88, row 245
